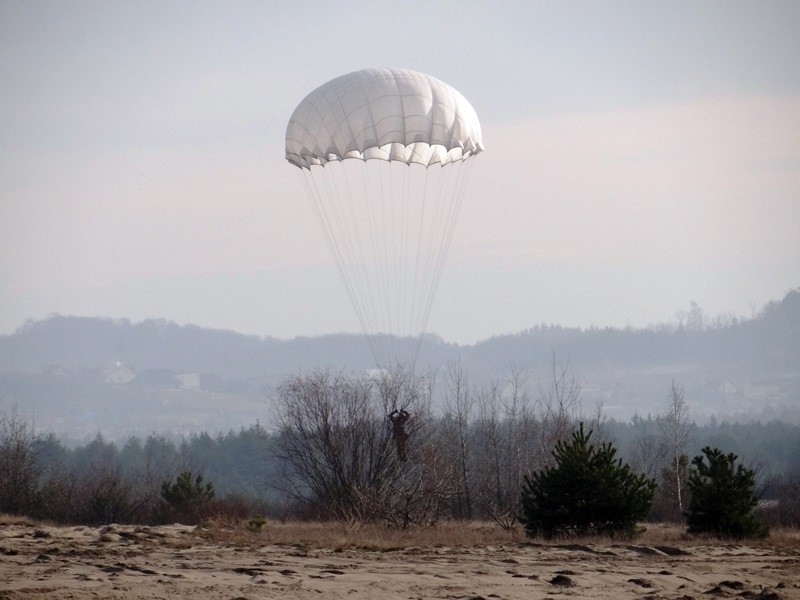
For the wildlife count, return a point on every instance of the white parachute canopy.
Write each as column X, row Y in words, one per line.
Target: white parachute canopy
column 384, row 157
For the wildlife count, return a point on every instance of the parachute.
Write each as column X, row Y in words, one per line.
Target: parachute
column 384, row 156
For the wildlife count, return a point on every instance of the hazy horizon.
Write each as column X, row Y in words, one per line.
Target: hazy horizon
column 638, row 158
column 682, row 317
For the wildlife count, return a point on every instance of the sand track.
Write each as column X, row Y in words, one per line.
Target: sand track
column 173, row 562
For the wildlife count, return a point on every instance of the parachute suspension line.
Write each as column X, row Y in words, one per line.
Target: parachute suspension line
column 324, row 203
column 375, row 201
column 397, row 199
column 333, row 226
column 371, row 283
column 418, row 255
column 388, row 232
column 399, row 259
column 402, row 314
column 317, row 205
column 340, row 231
column 436, row 239
column 369, row 212
column 362, row 272
column 457, row 195
column 390, row 322
column 389, row 247
column 391, row 201
column 446, row 215
column 461, row 177
column 379, row 309
column 455, row 192
column 388, row 199
column 430, row 198
column 395, row 280
column 374, row 190
column 378, row 268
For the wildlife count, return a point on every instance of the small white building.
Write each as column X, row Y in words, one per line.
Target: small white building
column 189, row 381
column 118, row 374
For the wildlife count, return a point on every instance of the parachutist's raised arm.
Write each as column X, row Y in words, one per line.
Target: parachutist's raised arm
column 399, row 417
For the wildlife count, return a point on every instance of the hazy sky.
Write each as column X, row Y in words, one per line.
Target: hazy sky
column 640, row 156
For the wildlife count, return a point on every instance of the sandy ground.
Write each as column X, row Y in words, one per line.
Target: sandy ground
column 172, row 562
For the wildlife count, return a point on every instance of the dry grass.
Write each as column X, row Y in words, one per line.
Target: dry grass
column 6, row 519
column 366, row 536
column 449, row 534
column 456, row 534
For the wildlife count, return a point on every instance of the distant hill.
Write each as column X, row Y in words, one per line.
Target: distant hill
column 730, row 367
column 62, row 365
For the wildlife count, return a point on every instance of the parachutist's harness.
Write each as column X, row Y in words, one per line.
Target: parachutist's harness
column 398, row 419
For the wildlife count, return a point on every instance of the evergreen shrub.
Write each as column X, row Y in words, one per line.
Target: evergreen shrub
column 587, row 491
column 722, row 497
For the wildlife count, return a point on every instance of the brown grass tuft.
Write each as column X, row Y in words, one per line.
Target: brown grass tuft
column 6, row 519
column 366, row 536
column 306, row 535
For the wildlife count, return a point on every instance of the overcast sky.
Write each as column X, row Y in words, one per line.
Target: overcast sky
column 639, row 156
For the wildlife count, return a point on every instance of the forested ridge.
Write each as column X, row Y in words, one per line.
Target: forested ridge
column 769, row 341
column 182, row 379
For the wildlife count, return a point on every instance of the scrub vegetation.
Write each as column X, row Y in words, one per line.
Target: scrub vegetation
column 498, row 453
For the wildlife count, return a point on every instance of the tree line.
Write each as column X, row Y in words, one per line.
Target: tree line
column 373, row 447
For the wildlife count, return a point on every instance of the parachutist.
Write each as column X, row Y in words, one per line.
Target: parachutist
column 399, row 419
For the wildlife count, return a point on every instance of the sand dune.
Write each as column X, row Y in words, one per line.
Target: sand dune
column 177, row 561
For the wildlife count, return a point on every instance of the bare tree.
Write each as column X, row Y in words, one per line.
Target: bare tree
column 19, row 467
column 419, row 479
column 676, row 431
column 649, row 450
column 340, row 449
column 456, row 425
column 507, row 428
column 517, row 437
column 559, row 406
column 597, row 421
column 490, row 433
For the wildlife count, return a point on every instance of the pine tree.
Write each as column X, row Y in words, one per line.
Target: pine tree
column 186, row 498
column 588, row 491
column 722, row 498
